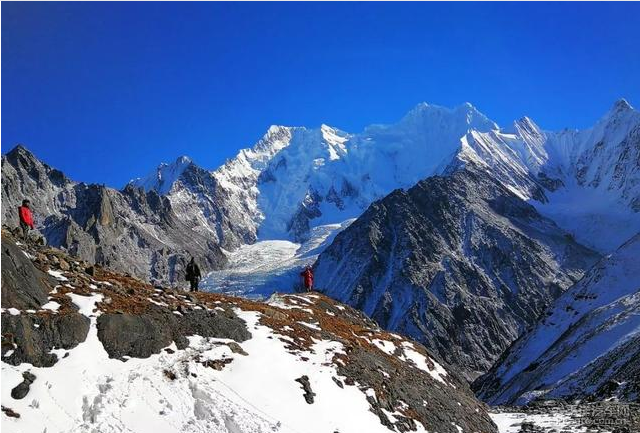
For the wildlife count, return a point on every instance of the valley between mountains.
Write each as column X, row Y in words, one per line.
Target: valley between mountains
column 452, row 256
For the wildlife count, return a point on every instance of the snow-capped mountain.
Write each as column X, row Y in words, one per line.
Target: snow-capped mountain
column 587, row 181
column 163, row 179
column 458, row 262
column 216, row 208
column 129, row 230
column 297, row 178
column 108, row 353
column 586, row 346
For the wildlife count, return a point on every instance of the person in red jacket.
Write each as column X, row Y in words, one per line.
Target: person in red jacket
column 307, row 278
column 26, row 218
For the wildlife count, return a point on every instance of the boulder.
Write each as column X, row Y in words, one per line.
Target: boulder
column 22, row 389
column 32, row 344
column 142, row 335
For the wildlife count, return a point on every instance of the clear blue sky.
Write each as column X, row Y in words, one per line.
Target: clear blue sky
column 106, row 91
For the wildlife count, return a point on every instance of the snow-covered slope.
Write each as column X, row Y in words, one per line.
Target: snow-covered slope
column 588, row 343
column 117, row 355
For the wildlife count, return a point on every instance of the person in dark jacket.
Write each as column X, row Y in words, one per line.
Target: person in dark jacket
column 193, row 275
column 26, row 218
column 307, row 278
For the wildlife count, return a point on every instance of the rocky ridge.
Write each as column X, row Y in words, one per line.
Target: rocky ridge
column 131, row 230
column 130, row 335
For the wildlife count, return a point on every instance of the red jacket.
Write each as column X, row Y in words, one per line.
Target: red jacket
column 26, row 216
column 307, row 274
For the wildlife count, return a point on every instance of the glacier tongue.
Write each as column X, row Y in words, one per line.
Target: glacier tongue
column 258, row 270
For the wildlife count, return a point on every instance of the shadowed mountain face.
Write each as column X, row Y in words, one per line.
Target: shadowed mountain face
column 129, row 230
column 459, row 262
column 586, row 346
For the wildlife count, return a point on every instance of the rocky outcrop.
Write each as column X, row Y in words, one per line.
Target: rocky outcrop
column 23, row 286
column 22, row 389
column 129, row 230
column 29, row 332
column 141, row 335
column 31, row 337
column 459, row 263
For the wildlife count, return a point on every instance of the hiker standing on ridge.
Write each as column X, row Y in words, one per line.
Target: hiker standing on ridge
column 26, row 218
column 193, row 275
column 307, row 278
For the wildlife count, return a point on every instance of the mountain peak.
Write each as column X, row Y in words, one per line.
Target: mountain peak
column 620, row 108
column 620, row 112
column 466, row 114
column 20, row 149
column 526, row 124
column 621, row 104
column 162, row 178
column 276, row 137
column 183, row 160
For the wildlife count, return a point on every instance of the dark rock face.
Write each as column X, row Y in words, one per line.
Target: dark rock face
column 130, row 230
column 228, row 222
column 23, row 286
column 136, row 336
column 30, row 337
column 459, row 263
column 32, row 344
column 142, row 335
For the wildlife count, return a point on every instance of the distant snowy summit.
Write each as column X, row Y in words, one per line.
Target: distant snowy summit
column 296, row 178
column 163, row 178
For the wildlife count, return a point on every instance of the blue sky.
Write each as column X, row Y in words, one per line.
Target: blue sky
column 106, row 91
